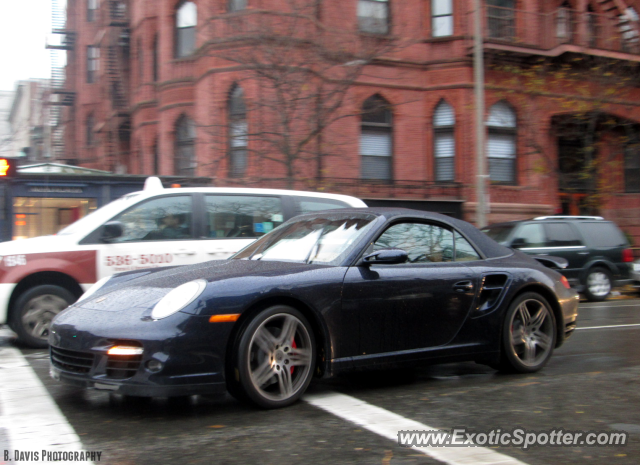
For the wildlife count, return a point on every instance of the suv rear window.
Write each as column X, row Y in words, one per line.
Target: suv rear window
column 602, row 234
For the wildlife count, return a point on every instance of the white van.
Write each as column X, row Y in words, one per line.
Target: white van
column 155, row 227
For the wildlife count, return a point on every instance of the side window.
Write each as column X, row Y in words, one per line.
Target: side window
column 309, row 204
column 465, row 251
column 166, row 218
column 241, row 215
column 602, row 234
column 529, row 235
column 561, row 235
column 424, row 243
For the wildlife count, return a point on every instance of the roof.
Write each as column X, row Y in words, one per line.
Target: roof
column 489, row 247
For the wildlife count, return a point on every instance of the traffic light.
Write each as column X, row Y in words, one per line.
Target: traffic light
column 7, row 168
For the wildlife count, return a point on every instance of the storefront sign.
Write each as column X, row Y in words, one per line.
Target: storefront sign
column 56, row 190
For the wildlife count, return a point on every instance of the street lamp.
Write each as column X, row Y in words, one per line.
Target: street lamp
column 478, row 88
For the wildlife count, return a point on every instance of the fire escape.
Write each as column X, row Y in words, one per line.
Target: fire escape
column 60, row 96
column 118, row 124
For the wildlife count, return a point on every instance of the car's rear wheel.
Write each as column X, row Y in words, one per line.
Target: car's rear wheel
column 34, row 310
column 275, row 358
column 529, row 334
column 598, row 284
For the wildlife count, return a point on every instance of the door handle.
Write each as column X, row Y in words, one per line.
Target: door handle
column 185, row 252
column 463, row 286
column 583, row 253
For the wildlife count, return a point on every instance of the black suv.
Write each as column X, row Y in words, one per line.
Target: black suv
column 597, row 251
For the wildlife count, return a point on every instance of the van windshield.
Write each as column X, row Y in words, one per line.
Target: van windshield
column 96, row 217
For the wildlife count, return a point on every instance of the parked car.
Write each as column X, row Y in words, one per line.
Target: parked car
column 155, row 227
column 635, row 275
column 597, row 251
column 324, row 293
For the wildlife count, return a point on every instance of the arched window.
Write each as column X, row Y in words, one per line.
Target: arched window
column 237, row 5
column 140, row 63
column 238, row 133
column 185, row 158
column 373, row 16
column 501, row 144
column 444, row 145
column 186, row 22
column 376, row 142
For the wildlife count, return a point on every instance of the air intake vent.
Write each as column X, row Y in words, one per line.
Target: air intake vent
column 71, row 360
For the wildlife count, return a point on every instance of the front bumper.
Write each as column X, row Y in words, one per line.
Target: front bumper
column 189, row 350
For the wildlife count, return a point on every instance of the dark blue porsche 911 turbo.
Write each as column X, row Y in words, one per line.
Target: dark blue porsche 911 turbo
column 322, row 294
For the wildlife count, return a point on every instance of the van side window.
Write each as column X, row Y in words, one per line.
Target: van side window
column 561, row 235
column 309, row 204
column 162, row 219
column 243, row 216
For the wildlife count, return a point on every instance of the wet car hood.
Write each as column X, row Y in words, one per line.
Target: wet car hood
column 145, row 288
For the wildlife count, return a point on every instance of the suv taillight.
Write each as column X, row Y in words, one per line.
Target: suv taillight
column 627, row 256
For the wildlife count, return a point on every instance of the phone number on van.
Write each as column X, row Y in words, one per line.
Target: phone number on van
column 143, row 259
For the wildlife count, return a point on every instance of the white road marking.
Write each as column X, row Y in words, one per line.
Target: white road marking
column 387, row 424
column 609, row 326
column 29, row 416
column 586, row 307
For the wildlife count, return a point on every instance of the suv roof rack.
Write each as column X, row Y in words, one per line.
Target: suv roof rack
column 560, row 217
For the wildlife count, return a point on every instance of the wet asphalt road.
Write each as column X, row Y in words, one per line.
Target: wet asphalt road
column 591, row 383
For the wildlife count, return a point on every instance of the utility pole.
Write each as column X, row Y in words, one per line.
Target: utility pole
column 478, row 88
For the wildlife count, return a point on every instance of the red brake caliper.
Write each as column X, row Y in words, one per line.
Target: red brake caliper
column 293, row 346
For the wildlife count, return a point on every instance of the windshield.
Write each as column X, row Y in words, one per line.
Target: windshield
column 498, row 233
column 326, row 240
column 106, row 211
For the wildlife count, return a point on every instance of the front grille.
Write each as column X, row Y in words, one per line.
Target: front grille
column 71, row 360
column 123, row 366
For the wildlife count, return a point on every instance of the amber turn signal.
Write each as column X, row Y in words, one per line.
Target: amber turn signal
column 224, row 318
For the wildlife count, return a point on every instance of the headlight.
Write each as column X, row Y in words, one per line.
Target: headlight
column 95, row 288
column 178, row 298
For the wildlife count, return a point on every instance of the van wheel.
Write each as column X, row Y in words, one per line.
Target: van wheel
column 32, row 314
column 598, row 285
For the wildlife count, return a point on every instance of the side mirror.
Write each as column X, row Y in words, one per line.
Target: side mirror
column 518, row 242
column 112, row 230
column 386, row 257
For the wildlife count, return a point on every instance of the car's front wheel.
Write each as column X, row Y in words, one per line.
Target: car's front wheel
column 34, row 310
column 598, row 286
column 275, row 357
column 528, row 334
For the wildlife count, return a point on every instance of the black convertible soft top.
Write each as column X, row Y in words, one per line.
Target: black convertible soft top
column 489, row 247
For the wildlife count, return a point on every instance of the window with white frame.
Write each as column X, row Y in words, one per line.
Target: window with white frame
column 373, row 16
column 441, row 18
column 92, row 10
column 376, row 141
column 444, row 144
column 93, row 63
column 501, row 143
column 186, row 22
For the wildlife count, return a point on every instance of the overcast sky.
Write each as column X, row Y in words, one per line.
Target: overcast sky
column 24, row 26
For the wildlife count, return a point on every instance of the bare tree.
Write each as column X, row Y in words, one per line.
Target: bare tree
column 585, row 95
column 302, row 69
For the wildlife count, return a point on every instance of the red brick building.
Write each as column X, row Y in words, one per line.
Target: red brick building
column 366, row 97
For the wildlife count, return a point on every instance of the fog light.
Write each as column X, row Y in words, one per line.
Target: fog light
column 154, row 366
